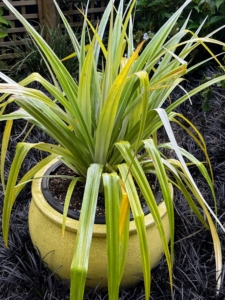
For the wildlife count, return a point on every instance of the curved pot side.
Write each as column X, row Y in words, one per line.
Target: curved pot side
column 45, row 226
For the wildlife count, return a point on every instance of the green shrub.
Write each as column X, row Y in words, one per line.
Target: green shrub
column 3, row 24
column 151, row 15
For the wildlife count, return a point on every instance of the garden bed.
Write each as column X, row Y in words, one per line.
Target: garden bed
column 23, row 275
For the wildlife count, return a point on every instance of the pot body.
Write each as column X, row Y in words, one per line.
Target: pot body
column 45, row 226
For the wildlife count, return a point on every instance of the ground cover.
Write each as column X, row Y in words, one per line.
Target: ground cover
column 23, row 275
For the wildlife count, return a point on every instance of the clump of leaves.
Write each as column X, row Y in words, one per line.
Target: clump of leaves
column 30, row 59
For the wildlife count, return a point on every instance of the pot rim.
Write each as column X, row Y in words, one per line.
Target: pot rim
column 76, row 214
column 72, row 224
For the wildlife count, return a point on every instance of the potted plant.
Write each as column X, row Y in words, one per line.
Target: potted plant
column 105, row 127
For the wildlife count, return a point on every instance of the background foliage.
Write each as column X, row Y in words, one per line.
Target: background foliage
column 3, row 24
column 65, row 3
column 29, row 56
column 151, row 15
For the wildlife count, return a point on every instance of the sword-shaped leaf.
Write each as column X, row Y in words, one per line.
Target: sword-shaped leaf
column 79, row 264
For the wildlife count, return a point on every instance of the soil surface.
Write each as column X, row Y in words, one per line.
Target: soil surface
column 24, row 276
column 59, row 187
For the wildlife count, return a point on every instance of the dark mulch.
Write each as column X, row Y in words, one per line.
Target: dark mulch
column 24, row 276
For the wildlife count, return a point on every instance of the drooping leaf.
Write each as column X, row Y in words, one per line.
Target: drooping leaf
column 79, row 264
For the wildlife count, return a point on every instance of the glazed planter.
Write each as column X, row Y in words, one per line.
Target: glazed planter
column 45, row 226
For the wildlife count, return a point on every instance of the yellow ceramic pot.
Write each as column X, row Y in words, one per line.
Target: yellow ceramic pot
column 45, row 225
